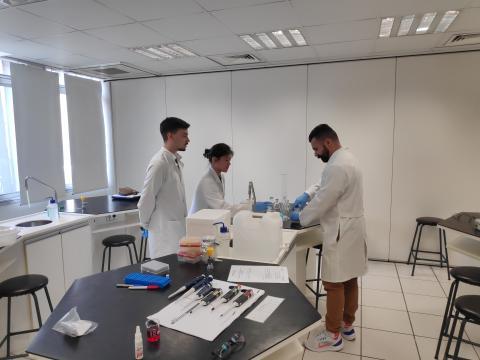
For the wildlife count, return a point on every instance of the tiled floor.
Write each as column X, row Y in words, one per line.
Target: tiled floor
column 400, row 315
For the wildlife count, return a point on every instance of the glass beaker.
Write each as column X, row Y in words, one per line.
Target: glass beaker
column 153, row 331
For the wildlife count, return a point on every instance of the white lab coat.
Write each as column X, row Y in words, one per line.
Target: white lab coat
column 210, row 194
column 162, row 206
column 337, row 204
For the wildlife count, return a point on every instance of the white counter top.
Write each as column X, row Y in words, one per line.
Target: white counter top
column 65, row 220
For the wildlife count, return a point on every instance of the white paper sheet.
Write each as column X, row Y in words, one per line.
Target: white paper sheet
column 203, row 322
column 258, row 274
column 263, row 310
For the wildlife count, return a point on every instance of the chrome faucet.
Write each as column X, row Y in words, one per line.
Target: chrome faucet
column 251, row 194
column 40, row 182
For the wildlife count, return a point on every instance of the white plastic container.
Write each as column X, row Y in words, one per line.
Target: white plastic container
column 257, row 237
column 201, row 223
column 8, row 235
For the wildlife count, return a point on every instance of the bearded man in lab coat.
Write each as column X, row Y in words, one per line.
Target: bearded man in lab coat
column 162, row 206
column 337, row 204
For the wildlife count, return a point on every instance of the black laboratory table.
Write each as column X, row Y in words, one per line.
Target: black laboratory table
column 462, row 222
column 97, row 205
column 118, row 311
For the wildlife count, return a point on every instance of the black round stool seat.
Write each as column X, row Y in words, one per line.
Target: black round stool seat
column 118, row 240
column 469, row 306
column 467, row 274
column 22, row 285
column 430, row 221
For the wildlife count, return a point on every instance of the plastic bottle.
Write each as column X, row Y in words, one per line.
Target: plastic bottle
column 52, row 210
column 138, row 343
column 223, row 239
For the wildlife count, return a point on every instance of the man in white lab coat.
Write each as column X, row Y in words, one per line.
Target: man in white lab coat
column 337, row 204
column 162, row 206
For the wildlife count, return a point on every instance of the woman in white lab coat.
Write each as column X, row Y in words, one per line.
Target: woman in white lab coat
column 210, row 191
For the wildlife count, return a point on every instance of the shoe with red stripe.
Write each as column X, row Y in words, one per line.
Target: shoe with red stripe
column 348, row 331
column 325, row 341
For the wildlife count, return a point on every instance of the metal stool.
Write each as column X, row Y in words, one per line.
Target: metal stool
column 467, row 274
column 315, row 291
column 19, row 286
column 442, row 238
column 469, row 307
column 118, row 241
column 143, row 247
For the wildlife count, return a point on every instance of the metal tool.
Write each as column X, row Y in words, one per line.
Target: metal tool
column 187, row 286
column 251, row 194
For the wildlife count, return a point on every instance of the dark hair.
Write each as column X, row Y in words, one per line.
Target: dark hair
column 217, row 150
column 321, row 132
column 172, row 124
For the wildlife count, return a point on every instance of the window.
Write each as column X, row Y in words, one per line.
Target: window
column 9, row 186
column 67, row 164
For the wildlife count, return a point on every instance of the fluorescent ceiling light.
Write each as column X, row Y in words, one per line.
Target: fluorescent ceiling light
column 251, row 41
column 146, row 53
column 159, row 53
column 425, row 23
column 181, row 50
column 386, row 27
column 267, row 41
column 298, row 37
column 405, row 25
column 446, row 21
column 282, row 38
column 169, row 51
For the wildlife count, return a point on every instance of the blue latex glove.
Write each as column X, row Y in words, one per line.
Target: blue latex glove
column 295, row 216
column 301, row 201
column 262, row 206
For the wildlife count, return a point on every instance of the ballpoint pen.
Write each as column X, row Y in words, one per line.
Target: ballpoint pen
column 144, row 287
column 187, row 286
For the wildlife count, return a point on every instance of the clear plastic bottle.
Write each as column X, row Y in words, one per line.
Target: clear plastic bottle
column 138, row 344
column 52, row 210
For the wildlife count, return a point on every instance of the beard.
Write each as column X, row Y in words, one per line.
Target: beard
column 325, row 156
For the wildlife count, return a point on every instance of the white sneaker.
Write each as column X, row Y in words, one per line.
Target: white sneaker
column 347, row 331
column 324, row 341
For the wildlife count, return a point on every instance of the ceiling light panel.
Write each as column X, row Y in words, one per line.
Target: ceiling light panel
column 282, row 39
column 425, row 23
column 386, row 27
column 297, row 37
column 169, row 51
column 405, row 25
column 446, row 20
column 275, row 39
column 251, row 41
column 265, row 39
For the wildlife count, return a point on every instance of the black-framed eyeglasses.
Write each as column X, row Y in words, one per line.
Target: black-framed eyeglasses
column 232, row 345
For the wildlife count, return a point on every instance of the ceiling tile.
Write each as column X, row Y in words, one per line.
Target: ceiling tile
column 399, row 45
column 295, row 53
column 259, row 18
column 224, row 45
column 406, row 7
column 25, row 25
column 8, row 38
column 345, row 50
column 350, row 31
column 314, row 12
column 190, row 27
column 84, row 14
column 130, row 35
column 156, row 66
column 467, row 20
column 153, row 9
column 79, row 43
column 32, row 50
column 228, row 4
column 192, row 63
column 68, row 61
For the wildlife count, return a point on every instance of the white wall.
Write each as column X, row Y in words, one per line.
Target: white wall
column 412, row 122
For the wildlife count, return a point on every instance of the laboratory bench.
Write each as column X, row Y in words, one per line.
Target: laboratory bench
column 466, row 239
column 117, row 311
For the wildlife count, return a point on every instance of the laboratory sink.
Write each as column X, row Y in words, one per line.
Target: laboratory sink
column 33, row 223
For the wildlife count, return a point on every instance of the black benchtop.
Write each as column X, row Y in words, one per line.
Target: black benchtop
column 118, row 310
column 97, row 205
column 462, row 222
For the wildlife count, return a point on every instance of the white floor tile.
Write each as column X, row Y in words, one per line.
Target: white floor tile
column 384, row 283
column 421, row 287
column 382, row 269
column 441, row 274
column 311, row 355
column 463, row 289
column 383, row 299
column 386, row 319
column 427, row 347
column 425, row 304
column 473, row 332
column 422, row 272
column 426, row 325
column 388, row 345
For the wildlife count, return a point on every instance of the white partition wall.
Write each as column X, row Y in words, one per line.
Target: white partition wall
column 204, row 102
column 437, row 142
column 268, row 117
column 138, row 107
column 356, row 99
